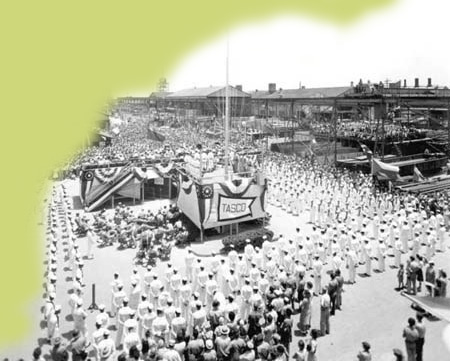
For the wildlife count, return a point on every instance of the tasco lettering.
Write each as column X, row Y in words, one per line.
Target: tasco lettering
column 234, row 208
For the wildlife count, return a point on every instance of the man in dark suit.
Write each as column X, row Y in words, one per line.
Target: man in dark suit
column 78, row 345
column 59, row 351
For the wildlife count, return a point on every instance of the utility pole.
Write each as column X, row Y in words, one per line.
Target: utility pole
column 448, row 128
column 335, row 130
column 383, row 115
column 292, row 125
column 227, row 119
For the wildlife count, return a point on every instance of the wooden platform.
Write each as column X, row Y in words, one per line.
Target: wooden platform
column 429, row 186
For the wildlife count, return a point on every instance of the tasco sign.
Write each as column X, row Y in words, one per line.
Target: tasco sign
column 234, row 208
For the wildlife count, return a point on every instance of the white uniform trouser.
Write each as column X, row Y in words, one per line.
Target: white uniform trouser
column 397, row 258
column 352, row 273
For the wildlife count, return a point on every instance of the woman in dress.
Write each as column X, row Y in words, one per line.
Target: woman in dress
column 305, row 312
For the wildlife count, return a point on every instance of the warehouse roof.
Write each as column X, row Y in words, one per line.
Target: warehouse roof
column 208, row 92
column 309, row 93
column 259, row 94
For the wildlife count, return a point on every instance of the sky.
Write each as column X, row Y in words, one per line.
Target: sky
column 404, row 41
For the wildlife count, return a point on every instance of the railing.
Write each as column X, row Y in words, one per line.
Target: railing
column 209, row 177
column 135, row 162
column 414, row 92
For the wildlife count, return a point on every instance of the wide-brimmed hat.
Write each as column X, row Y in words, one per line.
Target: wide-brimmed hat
column 224, row 330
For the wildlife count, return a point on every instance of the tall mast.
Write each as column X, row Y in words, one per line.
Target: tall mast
column 227, row 118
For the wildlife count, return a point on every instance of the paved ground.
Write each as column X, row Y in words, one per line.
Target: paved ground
column 372, row 310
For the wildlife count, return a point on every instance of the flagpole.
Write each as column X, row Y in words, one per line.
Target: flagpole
column 227, row 116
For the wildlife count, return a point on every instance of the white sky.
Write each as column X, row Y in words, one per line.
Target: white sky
column 407, row 40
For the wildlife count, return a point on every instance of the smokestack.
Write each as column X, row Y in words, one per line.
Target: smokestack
column 272, row 88
column 351, row 84
column 429, row 82
column 416, row 82
column 300, row 85
column 404, row 83
column 239, row 87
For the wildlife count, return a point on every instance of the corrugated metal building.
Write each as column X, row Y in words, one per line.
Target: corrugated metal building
column 209, row 101
column 295, row 103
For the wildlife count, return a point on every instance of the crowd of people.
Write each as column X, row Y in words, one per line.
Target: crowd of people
column 132, row 144
column 365, row 131
column 239, row 304
column 242, row 306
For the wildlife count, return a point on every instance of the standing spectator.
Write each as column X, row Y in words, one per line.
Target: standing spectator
column 401, row 277
column 411, row 335
column 364, row 354
column 210, row 353
column 300, row 355
column 421, row 339
column 430, row 278
column 171, row 354
column 106, row 347
column 59, row 351
column 37, row 354
column 195, row 346
column 414, row 271
column 249, row 352
column 281, row 354
column 441, row 284
column 78, row 344
column 332, row 291
column 340, row 289
column 311, row 348
column 222, row 343
column 325, row 312
column 398, row 355
column 285, row 329
column 305, row 312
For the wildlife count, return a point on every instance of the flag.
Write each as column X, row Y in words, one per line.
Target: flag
column 418, row 176
column 384, row 171
column 368, row 153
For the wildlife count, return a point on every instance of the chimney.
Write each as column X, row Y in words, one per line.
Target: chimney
column 404, row 83
column 416, row 82
column 429, row 83
column 300, row 85
column 239, row 87
column 351, row 84
column 272, row 88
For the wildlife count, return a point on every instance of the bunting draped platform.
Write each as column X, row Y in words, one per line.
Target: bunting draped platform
column 98, row 185
column 222, row 203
